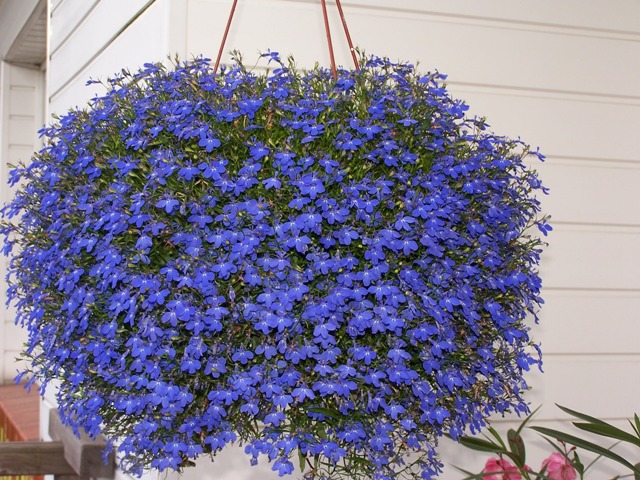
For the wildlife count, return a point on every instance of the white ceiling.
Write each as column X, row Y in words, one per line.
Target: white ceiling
column 30, row 46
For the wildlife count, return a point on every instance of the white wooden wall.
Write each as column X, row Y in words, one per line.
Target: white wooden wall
column 564, row 76
column 97, row 38
column 21, row 117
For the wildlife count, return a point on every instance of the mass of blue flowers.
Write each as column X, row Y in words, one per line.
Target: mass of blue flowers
column 332, row 272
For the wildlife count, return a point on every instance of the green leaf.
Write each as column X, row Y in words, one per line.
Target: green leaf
column 326, row 412
column 553, row 445
column 361, row 461
column 636, row 426
column 607, row 430
column 542, row 474
column 581, row 443
column 473, row 476
column 577, row 464
column 497, row 436
column 302, row 458
column 481, row 445
column 582, row 416
column 526, row 420
column 516, row 444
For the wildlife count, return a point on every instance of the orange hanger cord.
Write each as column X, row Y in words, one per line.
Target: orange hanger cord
column 327, row 30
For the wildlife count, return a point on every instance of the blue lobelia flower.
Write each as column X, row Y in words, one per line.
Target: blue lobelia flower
column 339, row 268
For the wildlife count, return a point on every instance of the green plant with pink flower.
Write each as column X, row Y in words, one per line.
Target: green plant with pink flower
column 565, row 462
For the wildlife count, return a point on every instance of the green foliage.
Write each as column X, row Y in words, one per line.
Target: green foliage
column 564, row 443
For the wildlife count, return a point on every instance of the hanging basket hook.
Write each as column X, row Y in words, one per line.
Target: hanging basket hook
column 334, row 69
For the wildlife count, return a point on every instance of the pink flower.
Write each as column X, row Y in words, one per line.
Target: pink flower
column 558, row 467
column 502, row 468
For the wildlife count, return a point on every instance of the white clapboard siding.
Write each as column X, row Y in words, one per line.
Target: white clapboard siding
column 66, row 18
column 589, row 257
column 150, row 45
column 21, row 109
column 92, row 35
column 577, row 15
column 587, row 322
column 603, row 193
column 561, row 125
column 571, row 380
column 547, row 58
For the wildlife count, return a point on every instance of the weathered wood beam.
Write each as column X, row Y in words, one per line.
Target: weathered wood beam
column 83, row 454
column 33, row 458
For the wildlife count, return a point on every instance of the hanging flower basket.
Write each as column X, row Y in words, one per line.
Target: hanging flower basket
column 333, row 272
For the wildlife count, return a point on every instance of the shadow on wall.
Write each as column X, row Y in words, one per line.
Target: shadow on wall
column 230, row 464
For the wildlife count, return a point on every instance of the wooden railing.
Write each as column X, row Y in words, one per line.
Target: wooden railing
column 67, row 457
column 19, row 412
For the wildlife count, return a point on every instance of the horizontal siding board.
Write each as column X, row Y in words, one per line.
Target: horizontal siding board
column 564, row 127
column 603, row 385
column 55, row 4
column 576, row 14
column 148, row 38
column 571, row 322
column 250, row 33
column 591, row 192
column 94, row 33
column 66, row 18
column 592, row 258
column 553, row 60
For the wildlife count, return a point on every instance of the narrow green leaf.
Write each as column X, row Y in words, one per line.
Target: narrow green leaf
column 470, row 475
column 476, row 476
column 610, row 431
column 526, row 420
column 302, row 458
column 577, row 464
column 581, row 416
column 554, row 445
column 361, row 461
column 516, row 444
column 637, row 423
column 581, row 443
column 542, row 474
column 326, row 412
column 636, row 475
column 481, row 445
column 497, row 436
